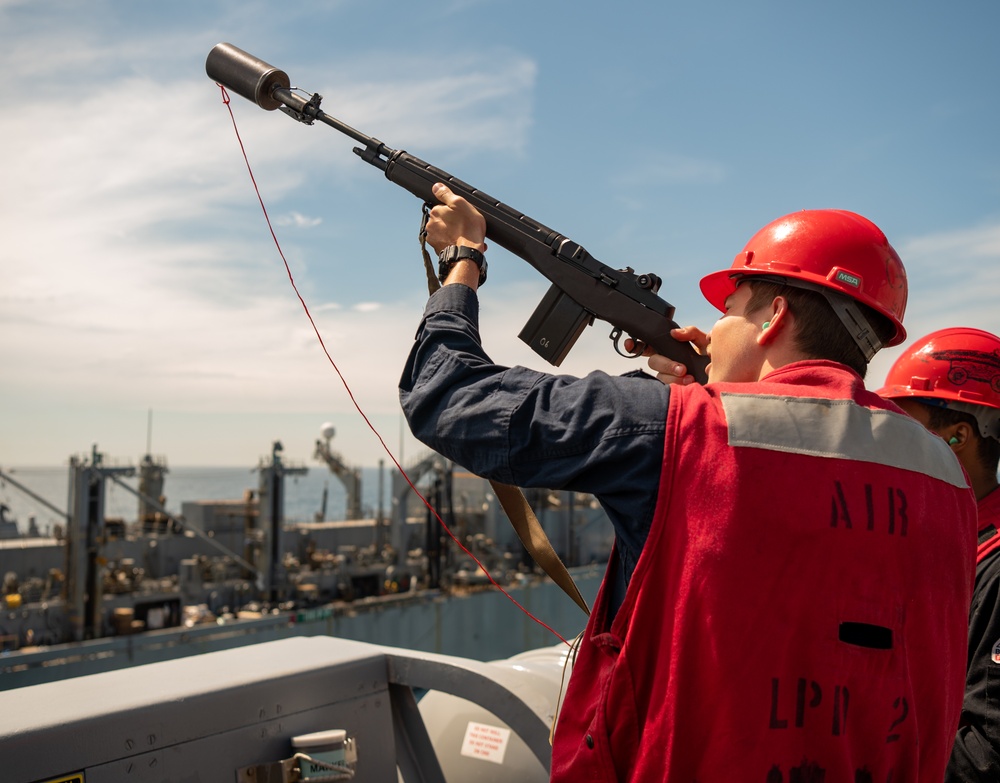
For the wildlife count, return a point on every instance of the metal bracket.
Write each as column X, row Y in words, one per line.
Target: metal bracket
column 285, row 771
column 309, row 110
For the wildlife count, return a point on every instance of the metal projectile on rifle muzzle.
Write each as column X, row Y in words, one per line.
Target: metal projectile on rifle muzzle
column 245, row 75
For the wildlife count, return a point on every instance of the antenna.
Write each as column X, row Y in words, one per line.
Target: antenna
column 149, row 432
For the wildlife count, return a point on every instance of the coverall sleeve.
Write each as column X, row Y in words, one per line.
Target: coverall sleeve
column 600, row 434
column 976, row 754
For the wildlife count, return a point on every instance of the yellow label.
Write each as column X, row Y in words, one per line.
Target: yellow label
column 77, row 778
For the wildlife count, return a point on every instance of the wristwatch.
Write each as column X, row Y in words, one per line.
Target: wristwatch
column 452, row 254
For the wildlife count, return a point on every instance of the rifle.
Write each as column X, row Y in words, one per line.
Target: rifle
column 582, row 287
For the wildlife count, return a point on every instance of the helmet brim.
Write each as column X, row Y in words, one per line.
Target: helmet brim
column 719, row 286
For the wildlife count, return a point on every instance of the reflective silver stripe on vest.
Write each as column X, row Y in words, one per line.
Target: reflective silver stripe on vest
column 840, row 429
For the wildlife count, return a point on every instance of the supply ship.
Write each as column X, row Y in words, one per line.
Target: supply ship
column 225, row 643
column 104, row 593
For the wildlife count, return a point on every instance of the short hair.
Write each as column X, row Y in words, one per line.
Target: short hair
column 987, row 449
column 819, row 333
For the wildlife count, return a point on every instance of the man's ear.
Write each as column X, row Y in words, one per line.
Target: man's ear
column 778, row 319
column 959, row 436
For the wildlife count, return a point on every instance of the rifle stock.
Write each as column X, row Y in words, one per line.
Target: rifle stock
column 582, row 287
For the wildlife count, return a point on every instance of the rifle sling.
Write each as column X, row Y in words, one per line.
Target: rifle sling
column 530, row 531
column 512, row 500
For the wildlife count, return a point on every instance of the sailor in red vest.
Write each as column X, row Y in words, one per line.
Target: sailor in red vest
column 950, row 382
column 789, row 590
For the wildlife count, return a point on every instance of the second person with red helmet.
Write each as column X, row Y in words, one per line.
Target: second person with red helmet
column 950, row 382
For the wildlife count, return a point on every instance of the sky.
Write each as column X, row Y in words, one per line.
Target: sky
column 143, row 301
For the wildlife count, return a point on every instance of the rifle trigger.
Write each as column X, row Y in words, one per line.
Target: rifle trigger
column 637, row 345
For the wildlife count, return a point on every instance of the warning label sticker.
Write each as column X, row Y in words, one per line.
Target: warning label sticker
column 488, row 743
column 77, row 778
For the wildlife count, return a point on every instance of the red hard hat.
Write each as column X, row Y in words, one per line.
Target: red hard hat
column 953, row 365
column 832, row 248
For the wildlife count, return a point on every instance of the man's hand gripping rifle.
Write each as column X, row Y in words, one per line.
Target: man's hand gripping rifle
column 582, row 287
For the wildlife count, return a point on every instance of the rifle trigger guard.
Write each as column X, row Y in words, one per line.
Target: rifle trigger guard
column 639, row 346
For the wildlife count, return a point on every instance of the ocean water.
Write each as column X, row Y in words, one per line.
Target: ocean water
column 303, row 494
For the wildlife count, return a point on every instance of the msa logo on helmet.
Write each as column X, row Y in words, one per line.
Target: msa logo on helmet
column 847, row 279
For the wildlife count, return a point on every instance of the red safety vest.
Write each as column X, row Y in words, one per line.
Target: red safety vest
column 800, row 606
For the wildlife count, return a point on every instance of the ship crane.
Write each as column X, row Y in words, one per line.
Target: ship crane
column 349, row 477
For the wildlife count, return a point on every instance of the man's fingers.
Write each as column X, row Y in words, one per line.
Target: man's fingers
column 445, row 194
column 693, row 335
column 669, row 370
column 630, row 345
column 441, row 191
column 452, row 201
column 454, row 221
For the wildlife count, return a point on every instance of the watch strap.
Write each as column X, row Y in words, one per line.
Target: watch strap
column 452, row 254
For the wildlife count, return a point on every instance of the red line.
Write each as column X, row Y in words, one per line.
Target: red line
column 225, row 100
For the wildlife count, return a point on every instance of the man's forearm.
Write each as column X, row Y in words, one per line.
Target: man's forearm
column 446, row 389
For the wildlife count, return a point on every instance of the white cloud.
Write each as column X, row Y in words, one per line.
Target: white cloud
column 955, row 275
column 978, row 242
column 481, row 102
column 954, row 279
column 298, row 220
column 137, row 270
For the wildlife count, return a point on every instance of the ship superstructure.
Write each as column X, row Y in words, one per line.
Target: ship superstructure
column 105, row 593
